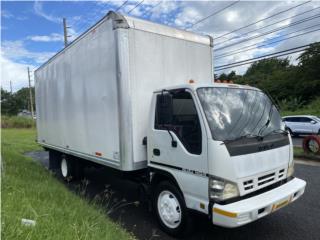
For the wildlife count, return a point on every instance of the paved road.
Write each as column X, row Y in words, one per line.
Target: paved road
column 299, row 220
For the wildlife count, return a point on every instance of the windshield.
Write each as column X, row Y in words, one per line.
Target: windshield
column 236, row 112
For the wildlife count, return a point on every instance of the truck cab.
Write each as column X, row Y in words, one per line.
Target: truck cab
column 220, row 149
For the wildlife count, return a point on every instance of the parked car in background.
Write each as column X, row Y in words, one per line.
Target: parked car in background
column 302, row 124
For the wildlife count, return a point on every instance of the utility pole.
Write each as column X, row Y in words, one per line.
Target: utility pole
column 65, row 33
column 30, row 92
column 11, row 87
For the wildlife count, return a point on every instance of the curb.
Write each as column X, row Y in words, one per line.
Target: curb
column 307, row 162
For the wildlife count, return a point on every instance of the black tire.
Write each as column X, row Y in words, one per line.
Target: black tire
column 70, row 168
column 54, row 161
column 185, row 224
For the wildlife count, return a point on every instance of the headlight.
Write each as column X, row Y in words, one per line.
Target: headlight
column 290, row 169
column 220, row 189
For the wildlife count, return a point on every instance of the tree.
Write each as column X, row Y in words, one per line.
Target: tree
column 285, row 82
column 231, row 76
column 23, row 98
column 12, row 104
column 8, row 103
column 308, row 73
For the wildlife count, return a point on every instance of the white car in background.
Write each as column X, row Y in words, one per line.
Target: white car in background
column 302, row 124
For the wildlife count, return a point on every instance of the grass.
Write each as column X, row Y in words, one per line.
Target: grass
column 29, row 191
column 299, row 153
column 17, row 122
column 313, row 108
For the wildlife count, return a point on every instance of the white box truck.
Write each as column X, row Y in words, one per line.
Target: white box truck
column 138, row 97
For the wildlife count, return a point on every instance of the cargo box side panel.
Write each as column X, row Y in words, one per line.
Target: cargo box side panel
column 158, row 61
column 77, row 100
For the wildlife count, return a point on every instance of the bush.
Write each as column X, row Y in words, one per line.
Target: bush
column 313, row 108
column 17, row 122
column 291, row 104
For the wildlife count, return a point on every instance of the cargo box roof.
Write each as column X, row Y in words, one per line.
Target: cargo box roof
column 122, row 21
column 161, row 29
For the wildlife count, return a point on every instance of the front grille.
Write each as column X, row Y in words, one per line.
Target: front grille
column 266, row 178
column 258, row 182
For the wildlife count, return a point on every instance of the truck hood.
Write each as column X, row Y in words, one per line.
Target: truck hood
column 253, row 166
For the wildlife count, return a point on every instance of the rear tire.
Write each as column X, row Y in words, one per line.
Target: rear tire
column 70, row 168
column 171, row 211
column 54, row 161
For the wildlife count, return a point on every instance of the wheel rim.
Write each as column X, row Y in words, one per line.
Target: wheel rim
column 313, row 146
column 169, row 209
column 64, row 167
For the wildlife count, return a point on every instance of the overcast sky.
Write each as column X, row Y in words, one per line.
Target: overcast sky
column 31, row 32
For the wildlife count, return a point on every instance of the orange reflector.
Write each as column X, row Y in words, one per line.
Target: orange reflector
column 225, row 213
column 99, row 154
column 191, row 81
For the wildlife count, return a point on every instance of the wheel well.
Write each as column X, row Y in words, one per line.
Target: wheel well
column 160, row 176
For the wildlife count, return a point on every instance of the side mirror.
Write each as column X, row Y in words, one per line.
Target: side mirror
column 313, row 122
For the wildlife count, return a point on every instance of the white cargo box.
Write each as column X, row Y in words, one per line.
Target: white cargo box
column 93, row 97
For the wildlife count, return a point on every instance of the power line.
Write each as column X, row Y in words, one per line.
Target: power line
column 269, row 32
column 239, row 63
column 211, row 15
column 153, row 7
column 267, row 44
column 239, row 36
column 125, row 2
column 246, row 63
column 251, row 24
column 276, row 54
column 137, row 5
column 84, row 24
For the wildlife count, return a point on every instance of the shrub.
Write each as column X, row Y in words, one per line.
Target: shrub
column 313, row 108
column 17, row 122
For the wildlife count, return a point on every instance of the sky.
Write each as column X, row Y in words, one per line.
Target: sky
column 32, row 32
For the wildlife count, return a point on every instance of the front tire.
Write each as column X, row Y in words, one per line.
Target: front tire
column 171, row 211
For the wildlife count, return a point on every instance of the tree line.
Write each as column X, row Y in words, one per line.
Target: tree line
column 292, row 86
column 13, row 103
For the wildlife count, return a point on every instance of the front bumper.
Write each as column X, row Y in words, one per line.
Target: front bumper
column 250, row 209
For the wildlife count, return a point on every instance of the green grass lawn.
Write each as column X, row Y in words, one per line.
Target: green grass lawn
column 299, row 153
column 29, row 191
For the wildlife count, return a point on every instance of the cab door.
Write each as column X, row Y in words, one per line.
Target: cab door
column 177, row 143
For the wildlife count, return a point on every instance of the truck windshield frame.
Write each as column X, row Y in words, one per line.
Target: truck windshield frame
column 233, row 113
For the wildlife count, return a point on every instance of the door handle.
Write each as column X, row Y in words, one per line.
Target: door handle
column 156, row 152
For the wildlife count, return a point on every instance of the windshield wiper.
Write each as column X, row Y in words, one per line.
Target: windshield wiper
column 264, row 127
column 284, row 132
column 258, row 137
column 243, row 136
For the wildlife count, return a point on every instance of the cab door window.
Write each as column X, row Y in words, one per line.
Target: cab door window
column 184, row 120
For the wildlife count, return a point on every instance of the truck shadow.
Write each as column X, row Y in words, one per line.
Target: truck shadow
column 120, row 199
